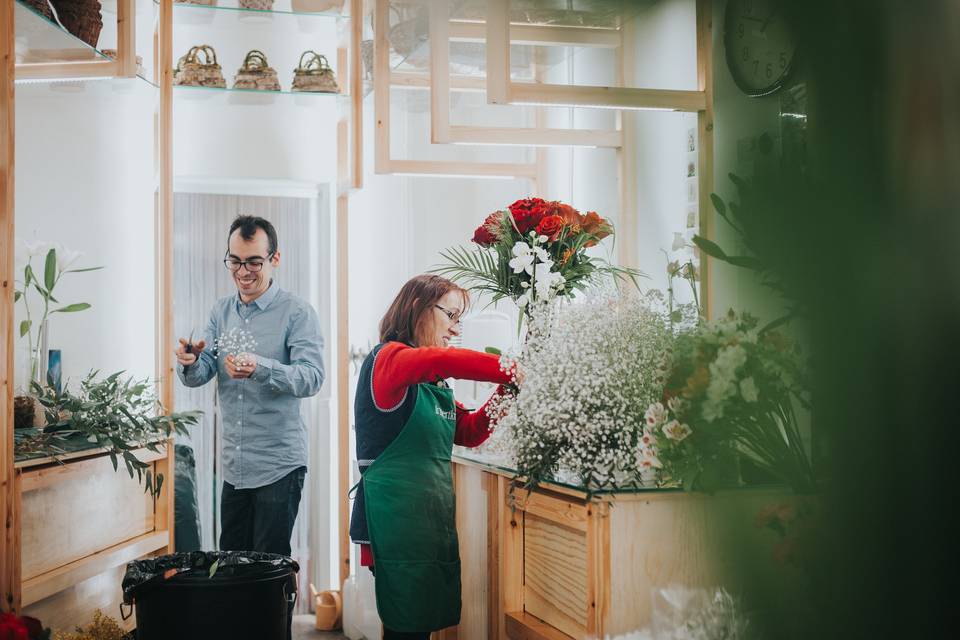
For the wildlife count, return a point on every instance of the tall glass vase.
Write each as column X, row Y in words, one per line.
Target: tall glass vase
column 38, row 357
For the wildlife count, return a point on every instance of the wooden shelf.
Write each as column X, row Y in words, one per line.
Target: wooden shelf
column 51, row 582
column 523, row 626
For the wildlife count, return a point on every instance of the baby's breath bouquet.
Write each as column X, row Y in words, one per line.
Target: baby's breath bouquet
column 590, row 371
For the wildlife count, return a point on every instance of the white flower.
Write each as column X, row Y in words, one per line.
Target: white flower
column 648, row 440
column 66, row 257
column 543, row 255
column 524, row 300
column 655, row 415
column 677, row 405
column 675, row 430
column 649, row 461
column 544, row 280
column 679, row 242
column 523, row 258
column 748, row 389
column 542, row 239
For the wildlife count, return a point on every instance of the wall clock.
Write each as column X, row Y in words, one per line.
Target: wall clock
column 758, row 44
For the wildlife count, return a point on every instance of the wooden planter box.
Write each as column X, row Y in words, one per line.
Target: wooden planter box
column 80, row 523
column 558, row 564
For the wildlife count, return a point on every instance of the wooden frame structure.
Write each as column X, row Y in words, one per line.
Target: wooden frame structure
column 47, row 578
column 10, row 552
column 443, row 31
column 383, row 161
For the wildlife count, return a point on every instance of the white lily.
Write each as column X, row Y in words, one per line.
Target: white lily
column 675, row 430
column 66, row 257
column 679, row 242
column 748, row 389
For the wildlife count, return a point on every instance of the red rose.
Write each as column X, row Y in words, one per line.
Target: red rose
column 528, row 213
column 12, row 628
column 550, row 226
column 487, row 234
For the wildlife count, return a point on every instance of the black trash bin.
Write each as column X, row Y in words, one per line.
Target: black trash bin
column 175, row 596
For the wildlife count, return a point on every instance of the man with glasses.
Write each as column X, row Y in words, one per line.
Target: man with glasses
column 264, row 436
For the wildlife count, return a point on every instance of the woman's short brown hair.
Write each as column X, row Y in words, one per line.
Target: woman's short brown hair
column 405, row 319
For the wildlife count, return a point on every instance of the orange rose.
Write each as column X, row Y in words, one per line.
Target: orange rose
column 597, row 227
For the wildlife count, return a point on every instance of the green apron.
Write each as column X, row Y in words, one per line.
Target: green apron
column 411, row 518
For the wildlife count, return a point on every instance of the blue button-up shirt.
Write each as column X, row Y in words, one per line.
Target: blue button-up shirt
column 264, row 436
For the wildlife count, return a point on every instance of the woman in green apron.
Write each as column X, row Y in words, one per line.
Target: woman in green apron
column 406, row 425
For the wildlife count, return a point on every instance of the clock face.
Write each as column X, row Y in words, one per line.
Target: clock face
column 759, row 45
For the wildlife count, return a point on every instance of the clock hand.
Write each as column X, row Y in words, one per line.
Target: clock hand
column 763, row 27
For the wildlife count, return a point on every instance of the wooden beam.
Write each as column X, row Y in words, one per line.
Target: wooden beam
column 165, row 504
column 344, row 409
column 444, row 169
column 80, row 69
column 381, row 86
column 705, row 145
column 127, row 38
column 534, row 137
column 439, row 29
column 628, row 228
column 51, row 582
column 55, row 473
column 541, row 35
column 10, row 551
column 498, row 52
column 606, row 97
column 356, row 91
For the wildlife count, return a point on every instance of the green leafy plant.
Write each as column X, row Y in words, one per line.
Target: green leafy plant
column 755, row 220
column 56, row 263
column 118, row 414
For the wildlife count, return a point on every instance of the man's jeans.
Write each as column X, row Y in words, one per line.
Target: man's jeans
column 262, row 519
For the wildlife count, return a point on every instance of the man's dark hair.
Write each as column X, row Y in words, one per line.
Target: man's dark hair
column 248, row 226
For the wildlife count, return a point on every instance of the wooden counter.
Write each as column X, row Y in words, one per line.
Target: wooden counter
column 561, row 563
column 80, row 523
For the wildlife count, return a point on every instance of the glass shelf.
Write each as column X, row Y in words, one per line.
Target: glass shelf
column 41, row 40
column 188, row 12
column 250, row 96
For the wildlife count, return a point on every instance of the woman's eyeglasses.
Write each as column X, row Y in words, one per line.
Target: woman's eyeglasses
column 453, row 317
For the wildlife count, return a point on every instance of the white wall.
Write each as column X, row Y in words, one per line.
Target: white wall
column 85, row 178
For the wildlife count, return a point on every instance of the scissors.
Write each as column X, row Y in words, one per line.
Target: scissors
column 189, row 346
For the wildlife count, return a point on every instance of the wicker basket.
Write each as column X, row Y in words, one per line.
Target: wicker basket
column 256, row 74
column 81, row 18
column 314, row 74
column 42, row 7
column 258, row 5
column 191, row 71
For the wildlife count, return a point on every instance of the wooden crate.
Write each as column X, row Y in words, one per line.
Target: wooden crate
column 558, row 564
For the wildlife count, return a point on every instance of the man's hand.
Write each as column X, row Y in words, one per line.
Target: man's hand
column 241, row 366
column 186, row 356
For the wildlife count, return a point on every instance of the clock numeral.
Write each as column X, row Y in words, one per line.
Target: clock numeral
column 756, row 66
column 746, row 53
column 769, row 70
column 783, row 60
column 740, row 30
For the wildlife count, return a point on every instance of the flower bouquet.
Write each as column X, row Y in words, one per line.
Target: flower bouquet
column 532, row 252
column 730, row 393
column 590, row 371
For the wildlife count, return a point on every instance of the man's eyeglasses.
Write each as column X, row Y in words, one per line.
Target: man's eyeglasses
column 454, row 317
column 253, row 265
